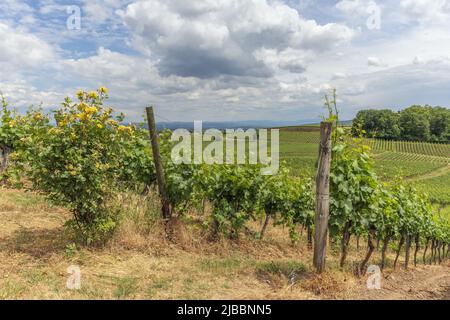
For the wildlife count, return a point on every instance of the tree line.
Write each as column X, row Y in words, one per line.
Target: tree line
column 416, row 123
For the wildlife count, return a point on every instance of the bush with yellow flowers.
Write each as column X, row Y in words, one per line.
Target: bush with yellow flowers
column 16, row 136
column 84, row 158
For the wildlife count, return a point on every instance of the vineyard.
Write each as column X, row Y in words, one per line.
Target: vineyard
column 437, row 188
column 411, row 160
column 419, row 148
column 104, row 176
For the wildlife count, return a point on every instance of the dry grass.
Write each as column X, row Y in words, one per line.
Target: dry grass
column 141, row 263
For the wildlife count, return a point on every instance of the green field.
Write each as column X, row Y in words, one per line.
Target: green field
column 438, row 188
column 426, row 165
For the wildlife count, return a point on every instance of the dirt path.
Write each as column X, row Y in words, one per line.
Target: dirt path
column 420, row 283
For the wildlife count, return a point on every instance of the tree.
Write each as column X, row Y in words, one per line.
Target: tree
column 415, row 124
column 381, row 124
column 440, row 124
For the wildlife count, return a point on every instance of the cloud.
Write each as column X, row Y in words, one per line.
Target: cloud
column 22, row 49
column 397, row 87
column 425, row 10
column 15, row 7
column 338, row 75
column 118, row 70
column 293, row 66
column 375, row 62
column 227, row 60
column 207, row 39
column 360, row 8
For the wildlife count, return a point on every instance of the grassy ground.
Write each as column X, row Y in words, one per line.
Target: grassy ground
column 139, row 263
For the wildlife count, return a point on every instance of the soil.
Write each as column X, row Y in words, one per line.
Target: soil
column 419, row 283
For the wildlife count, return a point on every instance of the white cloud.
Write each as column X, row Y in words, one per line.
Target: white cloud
column 375, row 62
column 122, row 71
column 22, row 49
column 360, row 8
column 426, row 10
column 211, row 38
column 228, row 59
column 19, row 92
column 399, row 87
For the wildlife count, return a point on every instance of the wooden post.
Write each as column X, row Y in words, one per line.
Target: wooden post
column 322, row 197
column 4, row 157
column 158, row 163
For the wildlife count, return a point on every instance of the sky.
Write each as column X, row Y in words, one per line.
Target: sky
column 225, row 60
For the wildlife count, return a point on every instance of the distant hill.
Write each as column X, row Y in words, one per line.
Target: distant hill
column 233, row 124
column 221, row 125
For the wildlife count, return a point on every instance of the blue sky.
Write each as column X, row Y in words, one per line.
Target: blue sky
column 228, row 59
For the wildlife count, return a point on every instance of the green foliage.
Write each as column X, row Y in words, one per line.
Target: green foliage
column 136, row 167
column 438, row 150
column 81, row 162
column 437, row 188
column 391, row 164
column 352, row 186
column 416, row 123
column 275, row 193
column 183, row 181
column 233, row 191
column 17, row 133
column 381, row 124
column 360, row 203
column 300, row 207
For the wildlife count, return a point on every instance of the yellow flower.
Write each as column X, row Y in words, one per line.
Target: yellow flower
column 80, row 94
column 111, row 122
column 82, row 116
column 63, row 122
column 82, row 106
column 91, row 110
column 37, row 116
column 93, row 95
column 125, row 129
column 100, row 126
column 103, row 90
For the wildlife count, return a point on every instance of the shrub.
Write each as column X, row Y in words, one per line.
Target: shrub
column 79, row 162
column 16, row 136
